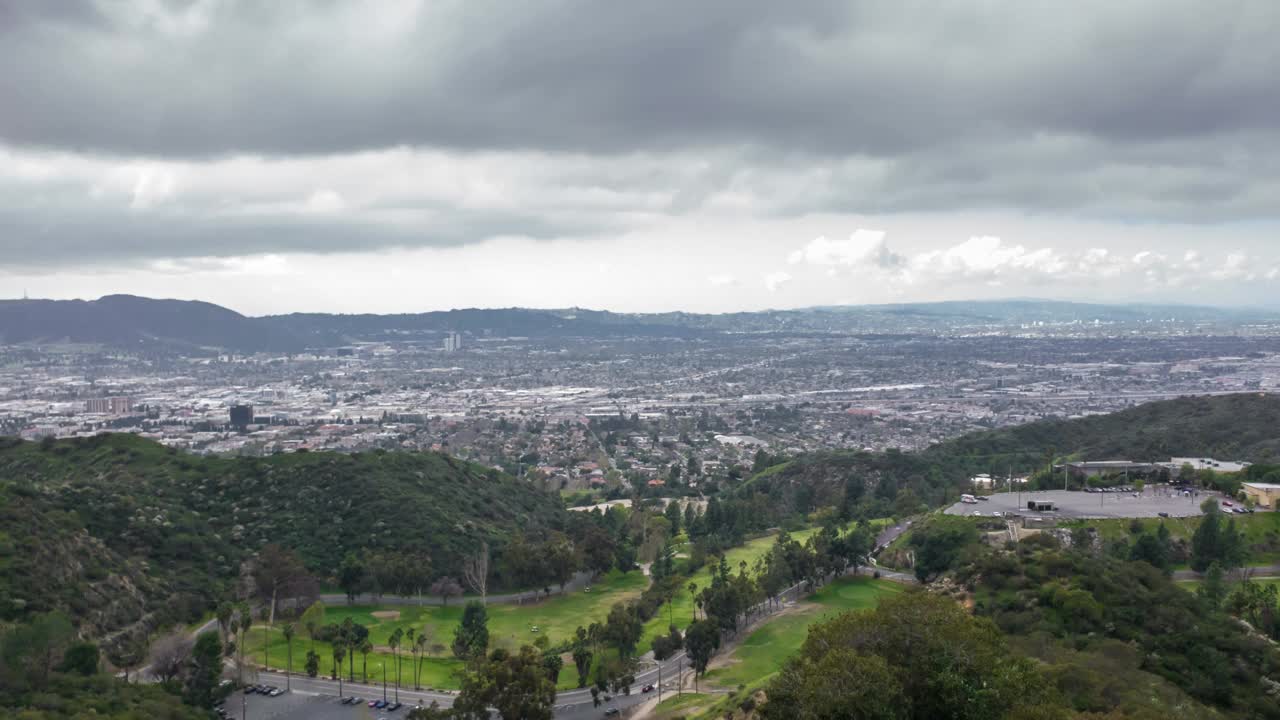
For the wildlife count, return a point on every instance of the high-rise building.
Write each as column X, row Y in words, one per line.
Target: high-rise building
column 109, row 405
column 241, row 415
column 452, row 342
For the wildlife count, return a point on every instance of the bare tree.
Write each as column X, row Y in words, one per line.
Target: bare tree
column 475, row 570
column 169, row 656
column 446, row 587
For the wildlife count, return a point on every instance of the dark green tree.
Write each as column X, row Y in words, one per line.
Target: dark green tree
column 471, row 637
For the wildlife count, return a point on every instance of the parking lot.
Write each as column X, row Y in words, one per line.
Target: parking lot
column 1071, row 504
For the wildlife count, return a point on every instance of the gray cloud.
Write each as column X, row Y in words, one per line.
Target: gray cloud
column 817, row 76
column 194, row 128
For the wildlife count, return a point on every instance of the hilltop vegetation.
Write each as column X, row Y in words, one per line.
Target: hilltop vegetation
column 866, row 484
column 116, row 529
column 1226, row 427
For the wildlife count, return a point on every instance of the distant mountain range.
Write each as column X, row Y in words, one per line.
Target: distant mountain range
column 130, row 322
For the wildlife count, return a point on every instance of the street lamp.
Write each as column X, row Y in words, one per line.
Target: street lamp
column 384, row 681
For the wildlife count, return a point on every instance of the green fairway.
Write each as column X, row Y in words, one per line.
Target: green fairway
column 1192, row 585
column 764, row 651
column 681, row 608
column 509, row 625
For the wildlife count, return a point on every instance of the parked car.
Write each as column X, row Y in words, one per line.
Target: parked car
column 1163, row 514
column 984, row 498
column 373, row 703
column 612, row 712
column 276, row 692
column 394, row 706
column 1226, row 503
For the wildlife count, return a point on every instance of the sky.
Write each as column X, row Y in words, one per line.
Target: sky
column 714, row 156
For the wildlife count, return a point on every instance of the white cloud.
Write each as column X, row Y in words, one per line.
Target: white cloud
column 722, row 280
column 775, row 280
column 864, row 247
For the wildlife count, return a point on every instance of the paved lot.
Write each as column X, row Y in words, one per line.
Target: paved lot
column 1150, row 503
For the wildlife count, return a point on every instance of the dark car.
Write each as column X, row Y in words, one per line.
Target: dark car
column 647, row 689
column 394, row 706
column 984, row 498
column 1163, row 514
column 611, row 712
column 374, row 703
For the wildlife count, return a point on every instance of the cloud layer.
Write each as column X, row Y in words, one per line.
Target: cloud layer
column 183, row 136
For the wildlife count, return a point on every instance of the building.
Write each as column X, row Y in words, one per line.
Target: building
column 1262, row 494
column 109, row 405
column 241, row 415
column 452, row 342
column 1107, row 467
column 1175, row 465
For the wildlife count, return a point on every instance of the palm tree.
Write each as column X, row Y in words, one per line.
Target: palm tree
column 366, row 647
column 288, row 631
column 420, row 645
column 413, row 648
column 693, row 593
column 348, row 635
column 339, row 652
column 394, row 643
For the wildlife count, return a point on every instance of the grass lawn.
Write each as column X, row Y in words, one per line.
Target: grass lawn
column 682, row 607
column 509, row 625
column 764, row 651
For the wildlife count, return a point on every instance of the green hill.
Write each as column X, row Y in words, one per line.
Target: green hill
column 124, row 534
column 1228, row 427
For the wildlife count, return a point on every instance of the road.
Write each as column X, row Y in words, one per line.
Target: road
column 579, row 581
column 1257, row 571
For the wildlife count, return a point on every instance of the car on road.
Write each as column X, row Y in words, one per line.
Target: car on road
column 1163, row 514
column 647, row 689
column 984, row 498
column 612, row 712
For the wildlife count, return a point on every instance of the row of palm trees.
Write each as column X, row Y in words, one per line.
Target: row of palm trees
column 350, row 641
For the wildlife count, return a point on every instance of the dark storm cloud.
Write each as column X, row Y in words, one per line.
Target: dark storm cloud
column 821, row 77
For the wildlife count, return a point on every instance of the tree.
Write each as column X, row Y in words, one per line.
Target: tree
column 280, row 574
column 471, row 637
column 82, row 658
column 672, row 513
column 365, row 648
column 446, row 587
column 561, row 559
column 169, row 656
column 701, row 641
column 938, row 543
column 339, row 654
column 915, row 656
column 351, row 576
column 288, row 631
column 475, row 571
column 1214, row 589
column 623, row 629
column 313, row 663
column 223, row 614
column 313, row 619
column 393, row 642
column 582, row 656
column 205, row 668
column 516, row 684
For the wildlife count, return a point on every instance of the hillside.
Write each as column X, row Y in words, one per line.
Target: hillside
column 130, row 322
column 1226, row 427
column 156, row 535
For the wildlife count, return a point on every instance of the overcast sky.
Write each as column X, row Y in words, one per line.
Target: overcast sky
column 397, row 155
